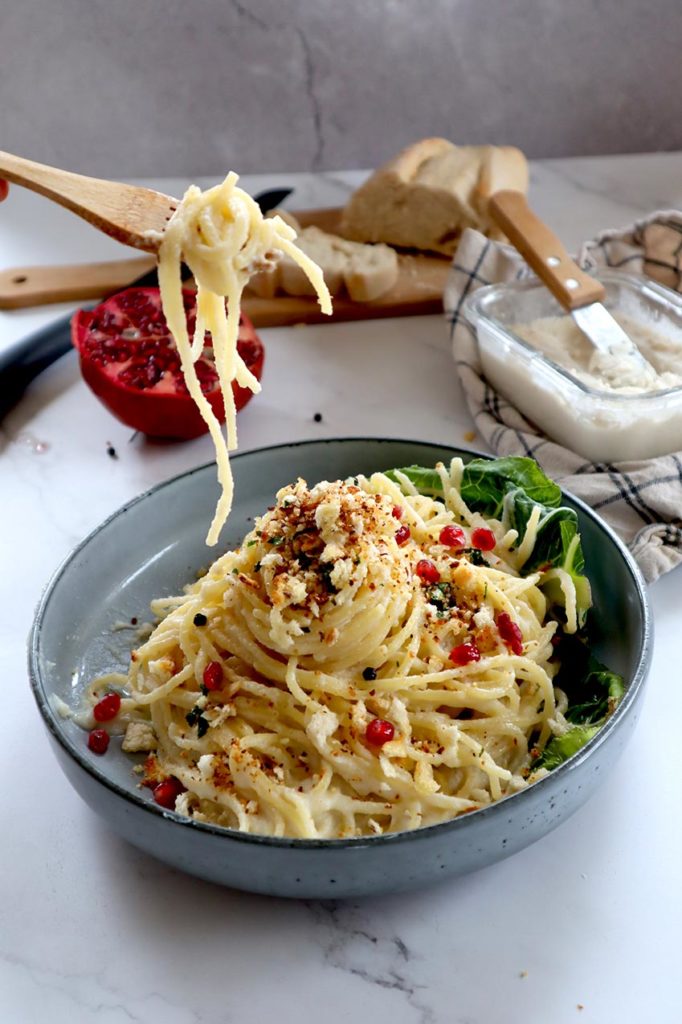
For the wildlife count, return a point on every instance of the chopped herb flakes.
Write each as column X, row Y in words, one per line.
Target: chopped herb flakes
column 195, row 717
column 474, row 555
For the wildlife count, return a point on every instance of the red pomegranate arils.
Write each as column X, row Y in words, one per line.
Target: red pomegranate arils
column 427, row 571
column 402, row 534
column 98, row 741
column 465, row 653
column 130, row 361
column 483, row 539
column 107, row 708
column 213, row 675
column 379, row 731
column 510, row 632
column 166, row 793
column 452, row 537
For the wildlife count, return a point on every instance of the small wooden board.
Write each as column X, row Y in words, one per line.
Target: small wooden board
column 419, row 289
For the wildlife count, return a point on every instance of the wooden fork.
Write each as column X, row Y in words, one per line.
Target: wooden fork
column 133, row 215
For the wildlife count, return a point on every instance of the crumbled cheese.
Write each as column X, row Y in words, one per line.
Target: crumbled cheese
column 139, row 736
column 342, row 573
column 327, row 516
column 322, row 725
column 271, row 560
column 184, row 803
column 484, row 617
column 216, row 716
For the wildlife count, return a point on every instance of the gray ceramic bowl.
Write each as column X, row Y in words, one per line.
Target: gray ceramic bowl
column 156, row 544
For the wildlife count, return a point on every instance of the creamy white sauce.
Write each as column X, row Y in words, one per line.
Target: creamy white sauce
column 560, row 338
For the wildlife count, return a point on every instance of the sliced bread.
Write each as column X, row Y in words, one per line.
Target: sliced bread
column 430, row 192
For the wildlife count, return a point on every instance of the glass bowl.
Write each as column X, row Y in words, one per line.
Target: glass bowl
column 601, row 425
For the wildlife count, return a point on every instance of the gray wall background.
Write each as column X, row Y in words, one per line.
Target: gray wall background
column 184, row 87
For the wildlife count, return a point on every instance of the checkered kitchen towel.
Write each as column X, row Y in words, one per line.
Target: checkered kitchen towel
column 642, row 501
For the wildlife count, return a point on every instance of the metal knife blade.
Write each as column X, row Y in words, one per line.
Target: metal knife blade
column 580, row 294
column 607, row 336
column 22, row 362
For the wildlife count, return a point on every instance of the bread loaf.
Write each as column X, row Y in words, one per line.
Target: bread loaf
column 427, row 195
column 366, row 271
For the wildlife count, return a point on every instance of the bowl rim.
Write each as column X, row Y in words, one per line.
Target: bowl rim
column 472, row 312
column 50, row 716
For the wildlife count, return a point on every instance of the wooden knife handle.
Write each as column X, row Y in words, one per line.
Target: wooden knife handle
column 543, row 252
column 36, row 286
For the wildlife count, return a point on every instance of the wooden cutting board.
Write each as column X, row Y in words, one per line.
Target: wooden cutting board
column 418, row 290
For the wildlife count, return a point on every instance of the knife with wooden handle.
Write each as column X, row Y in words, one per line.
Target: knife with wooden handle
column 580, row 295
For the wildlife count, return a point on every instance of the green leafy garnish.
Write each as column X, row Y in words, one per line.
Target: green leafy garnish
column 560, row 748
column 486, row 484
column 593, row 692
column 509, row 489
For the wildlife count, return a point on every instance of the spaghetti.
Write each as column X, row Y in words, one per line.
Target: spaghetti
column 357, row 666
column 224, row 239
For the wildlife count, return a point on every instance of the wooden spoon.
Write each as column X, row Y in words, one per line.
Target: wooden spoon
column 131, row 214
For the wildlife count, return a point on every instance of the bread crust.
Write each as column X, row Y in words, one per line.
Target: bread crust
column 424, row 197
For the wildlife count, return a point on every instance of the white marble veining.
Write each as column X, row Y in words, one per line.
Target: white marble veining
column 93, row 930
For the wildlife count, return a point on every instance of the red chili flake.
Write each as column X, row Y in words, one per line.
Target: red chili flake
column 107, row 708
column 402, row 534
column 427, row 571
column 167, row 792
column 379, row 731
column 98, row 741
column 465, row 653
column 213, row 675
column 510, row 632
column 452, row 537
column 483, row 539
column 397, row 512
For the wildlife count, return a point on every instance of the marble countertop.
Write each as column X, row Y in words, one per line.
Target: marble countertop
column 584, row 925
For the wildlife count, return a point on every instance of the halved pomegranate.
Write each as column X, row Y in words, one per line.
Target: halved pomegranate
column 129, row 359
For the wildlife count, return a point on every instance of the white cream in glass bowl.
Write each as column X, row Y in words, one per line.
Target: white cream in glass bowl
column 533, row 354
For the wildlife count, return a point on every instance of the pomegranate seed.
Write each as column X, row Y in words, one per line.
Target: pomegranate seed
column 483, row 539
column 427, row 571
column 402, row 534
column 452, row 537
column 98, row 741
column 465, row 653
column 379, row 731
column 213, row 675
column 510, row 633
column 397, row 512
column 107, row 708
column 167, row 792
